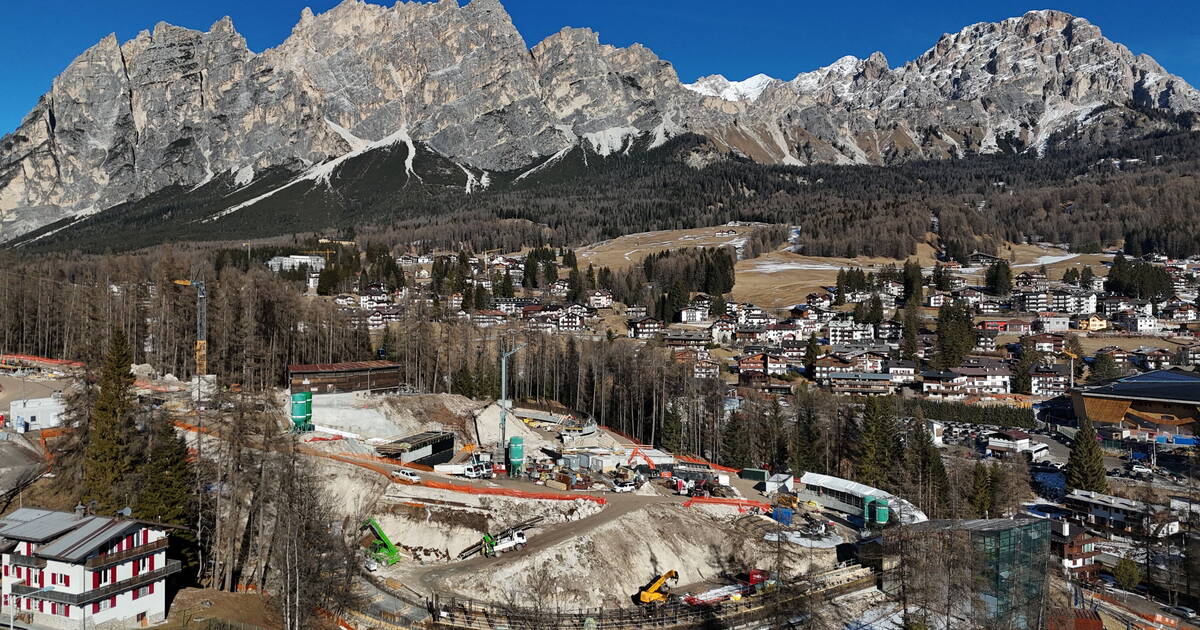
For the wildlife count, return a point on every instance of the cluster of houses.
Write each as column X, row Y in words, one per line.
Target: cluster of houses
column 854, row 358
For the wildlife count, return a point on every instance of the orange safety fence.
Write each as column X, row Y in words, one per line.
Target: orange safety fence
column 1159, row 621
column 509, row 492
column 376, row 464
column 334, row 438
column 738, row 503
column 6, row 357
column 700, row 460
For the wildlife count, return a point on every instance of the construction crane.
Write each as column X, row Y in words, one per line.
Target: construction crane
column 657, row 591
column 1074, row 357
column 201, row 324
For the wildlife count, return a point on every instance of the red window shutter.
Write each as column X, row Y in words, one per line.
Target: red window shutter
column 95, row 608
column 96, row 579
column 41, row 605
column 112, row 601
column 151, row 567
column 137, row 564
column 53, row 579
column 6, row 570
column 135, row 593
column 150, row 588
column 112, row 574
column 66, row 580
column 129, row 541
column 145, row 536
column 41, row 578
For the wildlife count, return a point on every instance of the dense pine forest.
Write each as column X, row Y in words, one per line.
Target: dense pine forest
column 1143, row 193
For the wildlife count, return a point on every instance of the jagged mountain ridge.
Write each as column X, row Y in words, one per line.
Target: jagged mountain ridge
column 178, row 107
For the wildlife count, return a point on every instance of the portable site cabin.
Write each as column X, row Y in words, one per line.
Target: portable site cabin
column 780, row 483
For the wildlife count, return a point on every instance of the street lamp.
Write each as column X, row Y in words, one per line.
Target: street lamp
column 13, row 598
column 504, row 390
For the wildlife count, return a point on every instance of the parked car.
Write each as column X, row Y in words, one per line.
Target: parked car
column 1181, row 611
column 623, row 486
column 406, row 476
column 1140, row 469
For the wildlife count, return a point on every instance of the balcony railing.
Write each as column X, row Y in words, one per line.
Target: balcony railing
column 95, row 595
column 22, row 560
column 109, row 559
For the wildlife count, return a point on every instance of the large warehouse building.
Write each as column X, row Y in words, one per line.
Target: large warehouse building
column 332, row 378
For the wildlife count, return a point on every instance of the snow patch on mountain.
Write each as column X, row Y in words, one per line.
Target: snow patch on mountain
column 718, row 86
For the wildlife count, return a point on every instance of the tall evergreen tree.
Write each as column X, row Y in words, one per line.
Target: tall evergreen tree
column 672, row 431
column 165, row 489
column 812, row 351
column 955, row 334
column 112, row 437
column 878, row 444
column 1085, row 465
column 911, row 331
column 981, row 490
column 735, row 443
column 1086, row 276
column 1104, row 367
column 999, row 278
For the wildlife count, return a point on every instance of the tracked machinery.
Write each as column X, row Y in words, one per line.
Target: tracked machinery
column 657, row 591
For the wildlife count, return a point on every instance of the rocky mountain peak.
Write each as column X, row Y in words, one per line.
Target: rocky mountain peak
column 179, row 107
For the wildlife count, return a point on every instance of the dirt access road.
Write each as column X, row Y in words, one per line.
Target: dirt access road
column 618, row 505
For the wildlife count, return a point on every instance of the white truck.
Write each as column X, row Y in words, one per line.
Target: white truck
column 512, row 541
column 480, row 470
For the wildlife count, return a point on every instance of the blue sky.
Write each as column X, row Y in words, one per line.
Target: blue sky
column 734, row 38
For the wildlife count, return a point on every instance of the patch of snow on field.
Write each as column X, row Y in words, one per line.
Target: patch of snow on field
column 1049, row 260
column 776, row 267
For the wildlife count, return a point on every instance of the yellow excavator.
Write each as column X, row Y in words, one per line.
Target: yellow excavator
column 657, row 591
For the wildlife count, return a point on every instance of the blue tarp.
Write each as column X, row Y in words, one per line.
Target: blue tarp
column 782, row 515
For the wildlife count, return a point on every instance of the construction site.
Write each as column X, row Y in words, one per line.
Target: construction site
column 466, row 510
column 468, row 514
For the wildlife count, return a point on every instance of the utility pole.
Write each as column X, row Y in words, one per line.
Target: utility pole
column 504, row 404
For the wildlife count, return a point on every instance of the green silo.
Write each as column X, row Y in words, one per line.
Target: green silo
column 516, row 454
column 302, row 411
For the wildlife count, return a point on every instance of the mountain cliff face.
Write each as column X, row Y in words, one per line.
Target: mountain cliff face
column 177, row 107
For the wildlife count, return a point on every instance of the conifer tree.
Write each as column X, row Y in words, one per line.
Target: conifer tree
column 911, row 332
column 165, row 493
column 1086, row 276
column 878, row 444
column 981, row 490
column 874, row 310
column 718, row 306
column 807, row 442
column 110, row 451
column 1085, row 465
column 671, row 438
column 812, row 351
column 1104, row 367
column 735, row 443
column 840, row 297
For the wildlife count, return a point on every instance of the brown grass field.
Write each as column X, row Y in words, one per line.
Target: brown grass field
column 782, row 278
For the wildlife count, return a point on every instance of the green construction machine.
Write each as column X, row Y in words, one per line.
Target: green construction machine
column 382, row 549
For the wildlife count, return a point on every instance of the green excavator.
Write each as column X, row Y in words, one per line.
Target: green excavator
column 382, row 549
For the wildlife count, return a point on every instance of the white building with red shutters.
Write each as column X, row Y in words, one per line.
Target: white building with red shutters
column 73, row 570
